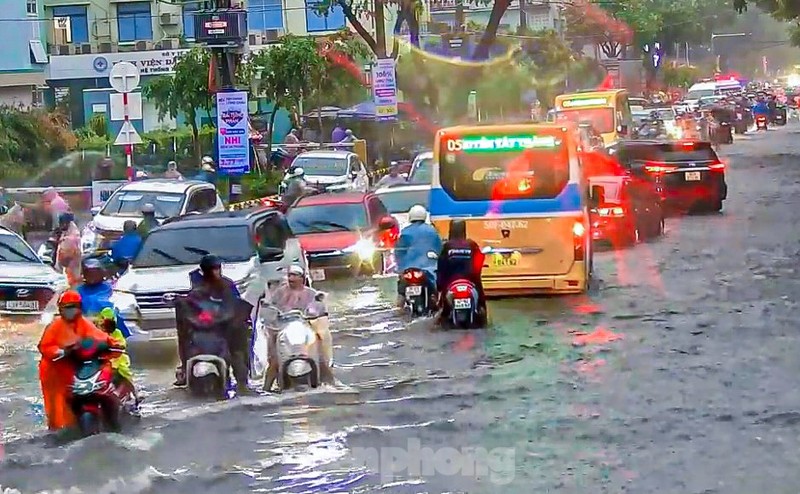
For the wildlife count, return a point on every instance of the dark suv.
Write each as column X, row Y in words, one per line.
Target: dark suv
column 687, row 175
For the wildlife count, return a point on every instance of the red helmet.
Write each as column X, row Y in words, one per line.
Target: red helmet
column 70, row 297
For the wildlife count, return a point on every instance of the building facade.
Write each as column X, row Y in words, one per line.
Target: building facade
column 540, row 14
column 23, row 57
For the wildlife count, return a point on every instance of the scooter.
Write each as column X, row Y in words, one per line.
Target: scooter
column 460, row 306
column 418, row 300
column 779, row 117
column 96, row 400
column 761, row 122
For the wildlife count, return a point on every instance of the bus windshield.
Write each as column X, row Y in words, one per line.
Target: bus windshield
column 503, row 167
column 602, row 119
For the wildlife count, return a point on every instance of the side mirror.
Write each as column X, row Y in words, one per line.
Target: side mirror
column 95, row 210
column 622, row 129
column 353, row 175
column 387, row 223
column 3, row 209
column 319, row 297
column 269, row 254
column 597, row 196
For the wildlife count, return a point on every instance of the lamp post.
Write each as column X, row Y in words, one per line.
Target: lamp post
column 724, row 35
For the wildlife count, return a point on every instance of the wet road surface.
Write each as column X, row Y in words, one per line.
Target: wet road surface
column 696, row 394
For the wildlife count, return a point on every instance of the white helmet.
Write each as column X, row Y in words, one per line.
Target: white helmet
column 417, row 213
column 298, row 172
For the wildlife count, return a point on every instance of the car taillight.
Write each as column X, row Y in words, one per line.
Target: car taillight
column 578, row 234
column 658, row 168
column 610, row 211
column 717, row 166
column 412, row 275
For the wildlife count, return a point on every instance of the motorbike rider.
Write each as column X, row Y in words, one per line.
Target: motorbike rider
column 207, row 283
column 172, row 171
column 207, row 171
column 296, row 186
column 761, row 108
column 68, row 248
column 124, row 249
column 59, row 337
column 460, row 258
column 96, row 291
column 123, row 375
column 148, row 222
column 293, row 294
column 54, row 204
column 393, row 178
column 416, row 241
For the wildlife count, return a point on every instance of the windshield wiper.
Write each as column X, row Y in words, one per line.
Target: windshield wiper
column 167, row 256
column 15, row 251
column 197, row 250
column 331, row 224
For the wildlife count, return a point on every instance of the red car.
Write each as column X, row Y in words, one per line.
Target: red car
column 343, row 233
column 627, row 211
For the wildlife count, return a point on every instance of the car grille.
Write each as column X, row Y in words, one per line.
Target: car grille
column 24, row 292
column 156, row 324
column 158, row 300
column 331, row 259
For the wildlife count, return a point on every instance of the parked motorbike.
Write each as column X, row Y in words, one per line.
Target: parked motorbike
column 418, row 299
column 761, row 122
column 779, row 117
column 460, row 306
column 209, row 363
column 96, row 401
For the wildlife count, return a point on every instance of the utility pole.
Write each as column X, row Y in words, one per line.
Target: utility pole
column 380, row 28
column 222, row 27
column 523, row 17
column 459, row 27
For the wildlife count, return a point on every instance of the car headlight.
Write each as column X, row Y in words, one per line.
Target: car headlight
column 125, row 303
column 365, row 248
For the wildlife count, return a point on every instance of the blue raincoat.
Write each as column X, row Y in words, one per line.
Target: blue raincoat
column 412, row 248
column 126, row 248
column 761, row 108
column 98, row 297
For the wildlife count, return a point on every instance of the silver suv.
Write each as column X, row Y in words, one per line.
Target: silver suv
column 256, row 248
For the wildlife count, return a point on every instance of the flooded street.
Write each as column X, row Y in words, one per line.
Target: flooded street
column 677, row 374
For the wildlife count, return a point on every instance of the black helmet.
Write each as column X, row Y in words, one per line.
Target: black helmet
column 208, row 263
column 92, row 271
column 129, row 226
column 66, row 218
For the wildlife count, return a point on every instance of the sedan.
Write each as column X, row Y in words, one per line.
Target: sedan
column 27, row 284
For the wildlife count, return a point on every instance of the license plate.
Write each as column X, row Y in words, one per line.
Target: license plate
column 412, row 291
column 22, row 305
column 506, row 259
column 692, row 176
column 462, row 303
column 317, row 275
column 163, row 334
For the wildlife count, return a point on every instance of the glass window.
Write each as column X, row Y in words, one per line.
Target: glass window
column 202, row 201
column 602, row 119
column 189, row 9
column 129, row 203
column 484, row 168
column 181, row 246
column 423, row 172
column 325, row 167
column 32, row 7
column 13, row 249
column 332, row 20
column 377, row 210
column 698, row 93
column 264, row 14
column 354, row 165
column 273, row 232
column 78, row 24
column 668, row 153
column 134, row 21
column 400, row 201
column 322, row 218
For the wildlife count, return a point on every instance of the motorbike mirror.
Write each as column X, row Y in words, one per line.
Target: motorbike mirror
column 387, row 223
column 320, row 296
column 95, row 210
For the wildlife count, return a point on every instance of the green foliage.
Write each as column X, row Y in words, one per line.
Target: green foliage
column 33, row 137
column 256, row 185
column 339, row 80
column 781, row 10
column 683, row 76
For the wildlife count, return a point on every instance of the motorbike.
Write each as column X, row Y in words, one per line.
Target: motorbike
column 298, row 348
column 723, row 133
column 209, row 367
column 460, row 306
column 96, row 400
column 761, row 122
column 418, row 300
column 779, row 117
column 47, row 250
column 741, row 123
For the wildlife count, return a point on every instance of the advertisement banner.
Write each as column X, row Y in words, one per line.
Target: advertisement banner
column 102, row 190
column 384, row 89
column 233, row 138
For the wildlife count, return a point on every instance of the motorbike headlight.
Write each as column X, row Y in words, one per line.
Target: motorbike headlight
column 365, row 248
column 125, row 302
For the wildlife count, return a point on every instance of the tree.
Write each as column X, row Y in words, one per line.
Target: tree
column 782, row 10
column 285, row 72
column 185, row 92
column 589, row 22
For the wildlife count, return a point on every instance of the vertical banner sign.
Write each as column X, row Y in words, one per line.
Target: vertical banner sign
column 384, row 89
column 233, row 139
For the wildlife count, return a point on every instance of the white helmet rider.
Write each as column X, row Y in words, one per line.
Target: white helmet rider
column 298, row 172
column 417, row 213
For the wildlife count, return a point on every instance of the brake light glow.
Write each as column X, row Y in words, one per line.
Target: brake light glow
column 413, row 275
column 653, row 167
column 688, row 144
column 718, row 166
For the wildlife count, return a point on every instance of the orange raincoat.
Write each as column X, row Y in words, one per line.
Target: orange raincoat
column 56, row 377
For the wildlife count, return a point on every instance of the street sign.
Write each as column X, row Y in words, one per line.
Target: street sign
column 127, row 135
column 124, row 77
column 118, row 106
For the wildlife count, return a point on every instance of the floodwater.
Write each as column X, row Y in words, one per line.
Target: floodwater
column 675, row 375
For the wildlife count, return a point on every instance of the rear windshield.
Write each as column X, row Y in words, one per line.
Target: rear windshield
column 400, row 201
column 674, row 152
column 181, row 246
column 503, row 167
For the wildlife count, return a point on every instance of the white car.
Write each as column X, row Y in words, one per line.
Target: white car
column 26, row 283
column 421, row 169
column 399, row 199
column 169, row 197
column 334, row 170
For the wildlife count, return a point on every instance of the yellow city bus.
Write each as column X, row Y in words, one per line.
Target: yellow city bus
column 608, row 111
column 520, row 190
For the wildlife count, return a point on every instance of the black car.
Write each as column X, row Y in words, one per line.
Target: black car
column 626, row 210
column 688, row 175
